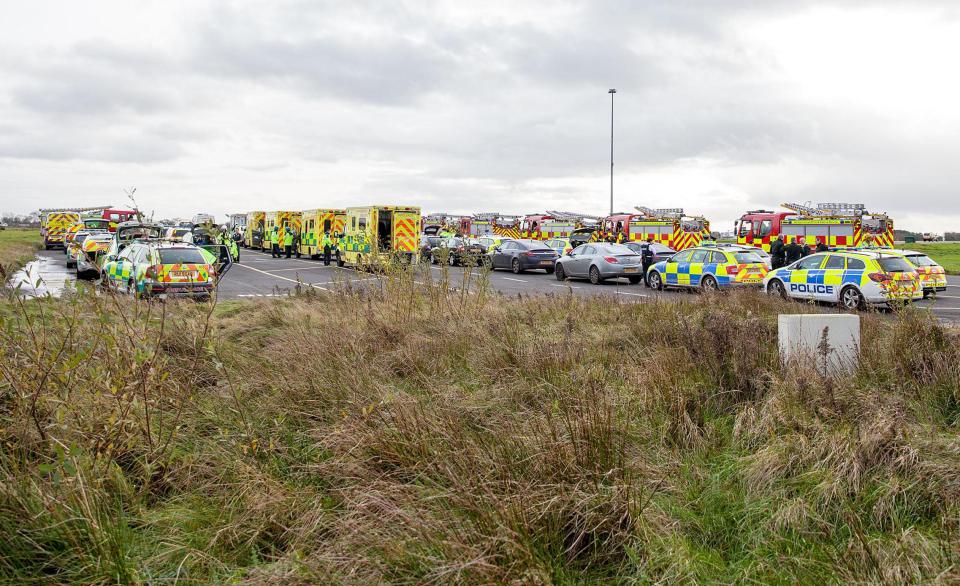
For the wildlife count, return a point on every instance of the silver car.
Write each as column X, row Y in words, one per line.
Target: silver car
column 598, row 261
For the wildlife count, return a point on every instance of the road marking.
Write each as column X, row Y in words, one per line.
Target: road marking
column 938, row 296
column 634, row 294
column 564, row 286
column 300, row 268
column 512, row 279
column 284, row 278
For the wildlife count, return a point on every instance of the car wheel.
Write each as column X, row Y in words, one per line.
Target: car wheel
column 561, row 274
column 708, row 283
column 515, row 266
column 451, row 260
column 433, row 259
column 131, row 288
column 851, row 299
column 340, row 261
column 488, row 262
column 595, row 277
column 634, row 279
column 776, row 289
column 656, row 281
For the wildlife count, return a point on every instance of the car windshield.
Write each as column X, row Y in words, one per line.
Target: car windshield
column 894, row 264
column 178, row 256
column 178, row 233
column 747, row 257
column 921, row 260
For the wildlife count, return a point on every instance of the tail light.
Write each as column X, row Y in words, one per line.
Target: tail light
column 151, row 272
column 612, row 260
column 732, row 269
column 880, row 277
column 528, row 253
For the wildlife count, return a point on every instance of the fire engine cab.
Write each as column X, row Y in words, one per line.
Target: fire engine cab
column 668, row 226
column 836, row 224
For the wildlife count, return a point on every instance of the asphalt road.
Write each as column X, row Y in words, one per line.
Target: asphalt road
column 257, row 275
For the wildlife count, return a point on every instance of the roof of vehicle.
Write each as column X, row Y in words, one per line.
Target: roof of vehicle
column 166, row 244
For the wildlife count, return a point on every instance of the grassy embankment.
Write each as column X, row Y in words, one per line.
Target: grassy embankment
column 419, row 436
column 17, row 246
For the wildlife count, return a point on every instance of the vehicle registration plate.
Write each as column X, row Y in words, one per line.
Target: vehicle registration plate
column 630, row 269
column 184, row 274
column 546, row 262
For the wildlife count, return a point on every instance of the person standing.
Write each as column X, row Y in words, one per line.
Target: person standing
column 777, row 255
column 793, row 252
column 822, row 245
column 646, row 259
column 288, row 241
column 275, row 238
column 805, row 249
column 327, row 247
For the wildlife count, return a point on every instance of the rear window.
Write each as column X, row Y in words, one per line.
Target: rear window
column 921, row 260
column 80, row 238
column 177, row 256
column 747, row 257
column 894, row 264
column 615, row 249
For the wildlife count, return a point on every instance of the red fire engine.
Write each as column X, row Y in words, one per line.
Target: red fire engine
column 667, row 226
column 836, row 224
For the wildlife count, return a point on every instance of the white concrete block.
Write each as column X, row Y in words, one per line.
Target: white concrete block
column 830, row 341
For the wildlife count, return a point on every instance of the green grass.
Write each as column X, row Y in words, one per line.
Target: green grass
column 945, row 253
column 410, row 435
column 17, row 246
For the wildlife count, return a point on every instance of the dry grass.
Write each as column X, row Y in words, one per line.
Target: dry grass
column 411, row 436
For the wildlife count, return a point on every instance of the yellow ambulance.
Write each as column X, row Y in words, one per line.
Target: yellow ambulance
column 315, row 224
column 281, row 220
column 253, row 237
column 378, row 234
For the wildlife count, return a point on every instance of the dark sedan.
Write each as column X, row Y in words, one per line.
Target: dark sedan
column 660, row 251
column 522, row 255
column 456, row 251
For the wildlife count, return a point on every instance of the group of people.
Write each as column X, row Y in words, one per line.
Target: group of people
column 783, row 254
column 284, row 241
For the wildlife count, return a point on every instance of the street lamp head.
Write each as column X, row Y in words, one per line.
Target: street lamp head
column 612, row 91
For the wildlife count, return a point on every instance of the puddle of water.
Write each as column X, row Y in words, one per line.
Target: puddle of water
column 41, row 277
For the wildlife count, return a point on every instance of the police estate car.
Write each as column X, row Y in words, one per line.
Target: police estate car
column 709, row 268
column 853, row 279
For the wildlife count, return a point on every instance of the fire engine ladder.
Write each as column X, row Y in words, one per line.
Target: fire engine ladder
column 78, row 210
column 571, row 216
column 660, row 212
column 842, row 209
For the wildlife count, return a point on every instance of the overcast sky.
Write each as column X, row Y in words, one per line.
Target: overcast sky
column 722, row 106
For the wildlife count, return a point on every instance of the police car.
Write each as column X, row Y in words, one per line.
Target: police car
column 852, row 279
column 708, row 267
column 162, row 269
column 933, row 277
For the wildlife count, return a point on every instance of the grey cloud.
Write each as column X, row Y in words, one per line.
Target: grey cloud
column 387, row 71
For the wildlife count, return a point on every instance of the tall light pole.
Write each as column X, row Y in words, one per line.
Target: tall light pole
column 611, row 92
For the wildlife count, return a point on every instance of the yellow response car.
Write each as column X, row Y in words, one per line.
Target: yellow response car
column 161, row 270
column 933, row 277
column 709, row 268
